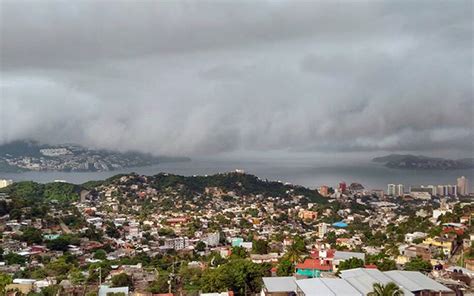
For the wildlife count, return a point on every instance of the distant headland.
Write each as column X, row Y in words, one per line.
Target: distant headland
column 25, row 155
column 413, row 162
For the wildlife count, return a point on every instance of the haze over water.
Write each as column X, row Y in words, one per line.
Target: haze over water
column 302, row 171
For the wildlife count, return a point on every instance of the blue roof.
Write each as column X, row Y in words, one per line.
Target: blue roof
column 340, row 224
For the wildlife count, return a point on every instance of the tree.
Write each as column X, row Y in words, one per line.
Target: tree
column 299, row 244
column 93, row 233
column 418, row 264
column 100, row 254
column 112, row 230
column 13, row 258
column 31, row 236
column 122, row 280
column 160, row 285
column 200, row 246
column 238, row 252
column 285, row 268
column 59, row 244
column 58, row 267
column 331, row 237
column 351, row 263
column 5, row 279
column 390, row 289
column 260, row 247
column 238, row 275
column 77, row 277
column 294, row 253
column 386, row 264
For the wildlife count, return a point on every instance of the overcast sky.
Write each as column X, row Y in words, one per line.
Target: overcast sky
column 207, row 77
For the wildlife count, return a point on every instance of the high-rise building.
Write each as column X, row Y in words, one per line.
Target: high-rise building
column 463, row 186
column 391, row 188
column 322, row 229
column 452, row 190
column 440, row 190
column 395, row 190
column 399, row 190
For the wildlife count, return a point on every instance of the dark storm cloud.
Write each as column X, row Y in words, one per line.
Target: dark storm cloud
column 196, row 77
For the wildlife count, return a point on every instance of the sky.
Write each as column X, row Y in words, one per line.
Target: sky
column 216, row 77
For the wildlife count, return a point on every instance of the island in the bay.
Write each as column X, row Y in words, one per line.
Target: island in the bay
column 408, row 161
column 25, row 155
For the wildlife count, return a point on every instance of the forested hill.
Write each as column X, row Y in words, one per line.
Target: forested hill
column 241, row 184
column 400, row 161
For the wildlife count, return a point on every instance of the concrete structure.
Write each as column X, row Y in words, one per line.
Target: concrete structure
column 463, row 186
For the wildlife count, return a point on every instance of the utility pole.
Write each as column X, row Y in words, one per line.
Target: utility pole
column 170, row 281
column 100, row 276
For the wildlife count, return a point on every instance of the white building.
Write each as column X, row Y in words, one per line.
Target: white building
column 399, row 190
column 178, row 243
column 410, row 237
column 212, row 239
column 5, row 183
column 391, row 189
column 463, row 186
column 52, row 152
column 395, row 190
column 322, row 229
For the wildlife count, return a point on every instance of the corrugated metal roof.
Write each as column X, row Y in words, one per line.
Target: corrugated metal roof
column 280, row 284
column 363, row 279
column 415, row 281
column 103, row 290
column 327, row 287
column 341, row 255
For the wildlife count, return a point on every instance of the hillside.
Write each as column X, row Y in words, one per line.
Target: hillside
column 241, row 184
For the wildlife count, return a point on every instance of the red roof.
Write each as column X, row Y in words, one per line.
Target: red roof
column 370, row 266
column 314, row 264
column 458, row 231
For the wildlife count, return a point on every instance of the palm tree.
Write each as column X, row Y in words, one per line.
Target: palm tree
column 390, row 289
column 293, row 254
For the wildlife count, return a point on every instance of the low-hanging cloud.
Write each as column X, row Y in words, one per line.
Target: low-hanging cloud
column 197, row 77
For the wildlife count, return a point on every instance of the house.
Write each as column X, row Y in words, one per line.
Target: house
column 313, row 267
column 410, row 237
column 445, row 243
column 104, row 290
column 334, row 258
column 414, row 251
column 340, row 256
column 278, row 286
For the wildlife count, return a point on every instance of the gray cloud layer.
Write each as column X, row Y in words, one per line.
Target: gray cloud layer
column 202, row 77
